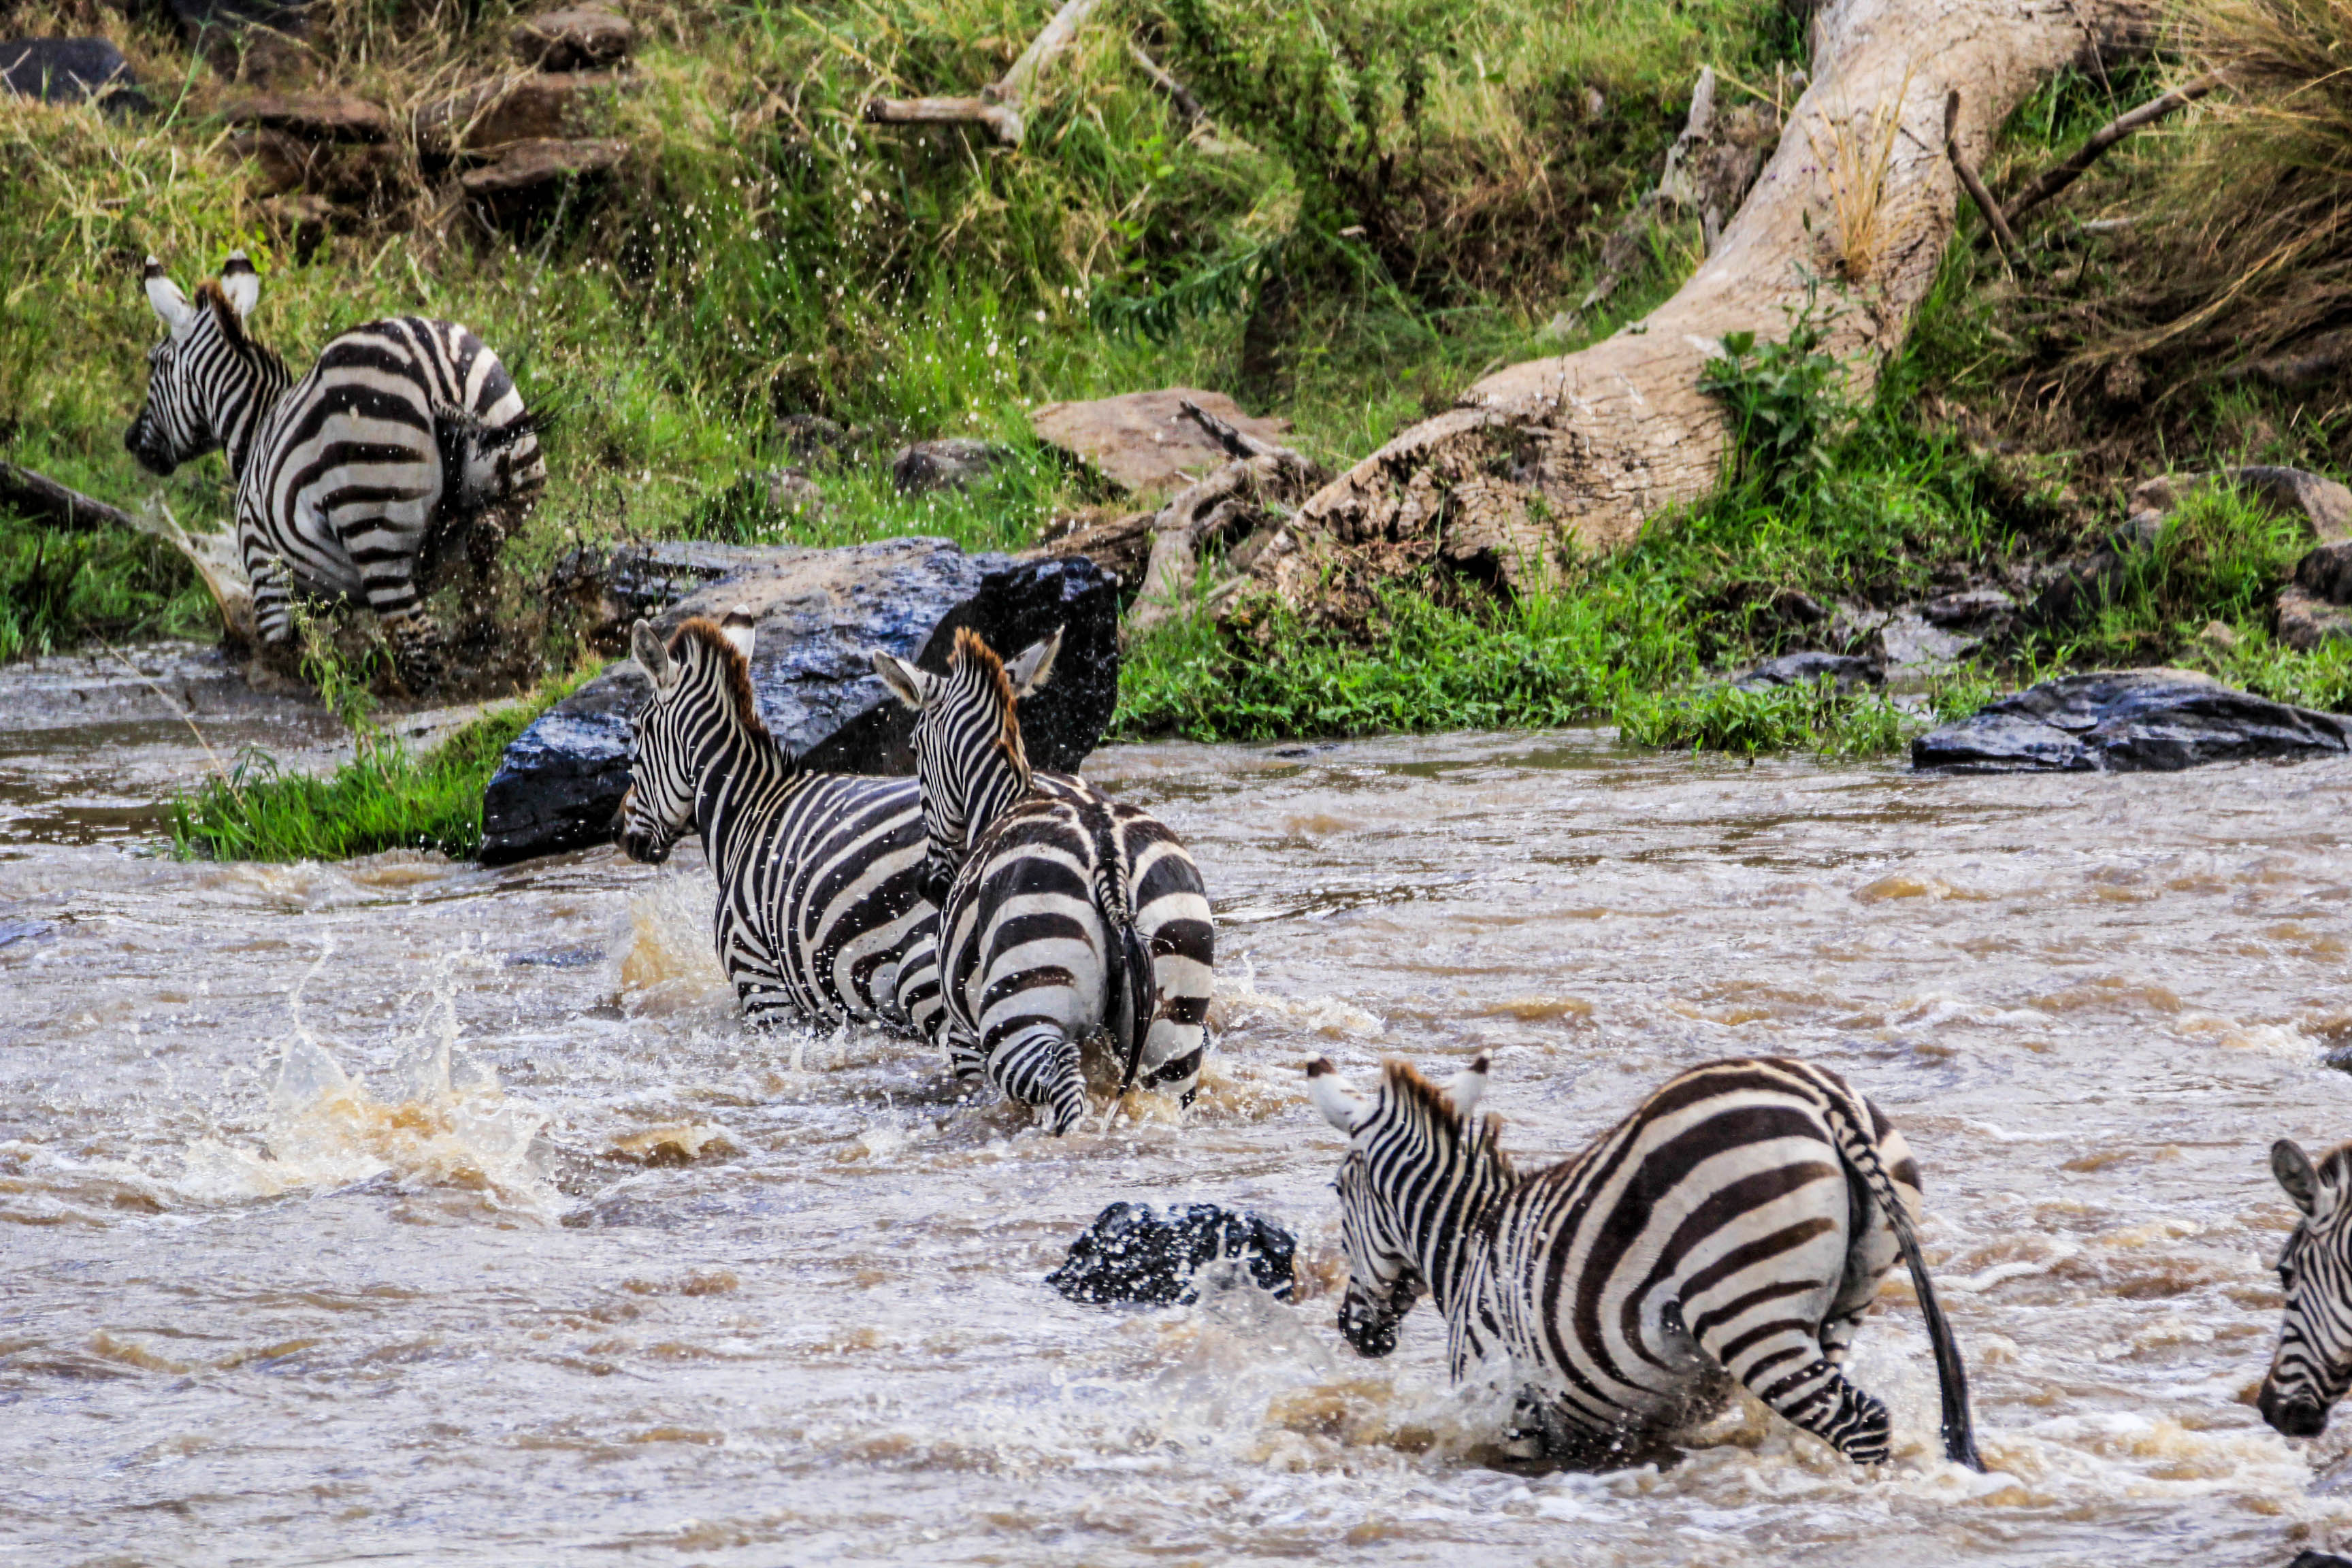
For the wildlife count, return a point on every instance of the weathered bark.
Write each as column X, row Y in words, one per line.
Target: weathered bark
column 37, row 495
column 1576, row 453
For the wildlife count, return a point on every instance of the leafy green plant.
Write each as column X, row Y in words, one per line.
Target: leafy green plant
column 1786, row 401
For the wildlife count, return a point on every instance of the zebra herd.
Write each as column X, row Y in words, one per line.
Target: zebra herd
column 1732, row 1231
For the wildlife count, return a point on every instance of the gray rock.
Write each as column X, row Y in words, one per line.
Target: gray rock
column 2305, row 621
column 2326, row 574
column 2320, row 502
column 951, row 463
column 819, row 611
column 69, row 70
column 574, row 38
column 793, row 493
column 1804, row 668
column 1975, row 609
column 813, row 440
column 1910, row 645
column 2131, row 720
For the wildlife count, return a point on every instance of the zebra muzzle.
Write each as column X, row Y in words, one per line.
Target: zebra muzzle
column 2299, row 1416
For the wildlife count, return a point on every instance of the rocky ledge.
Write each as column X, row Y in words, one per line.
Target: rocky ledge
column 819, row 611
column 2129, row 721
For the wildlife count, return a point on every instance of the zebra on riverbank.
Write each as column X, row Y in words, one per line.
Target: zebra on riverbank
column 819, row 874
column 407, row 443
column 1737, row 1224
column 2313, row 1366
column 1065, row 913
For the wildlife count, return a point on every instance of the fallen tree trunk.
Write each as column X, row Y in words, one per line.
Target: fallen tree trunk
column 37, row 495
column 1574, row 454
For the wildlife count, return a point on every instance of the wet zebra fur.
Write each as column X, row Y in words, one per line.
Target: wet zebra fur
column 406, row 443
column 2313, row 1366
column 1735, row 1226
column 819, row 874
column 1065, row 915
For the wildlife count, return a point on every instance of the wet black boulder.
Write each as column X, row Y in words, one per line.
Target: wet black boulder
column 1133, row 1254
column 68, row 71
column 2129, row 721
column 819, row 611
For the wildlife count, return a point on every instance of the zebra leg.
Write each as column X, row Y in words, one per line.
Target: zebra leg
column 273, row 618
column 1837, row 1337
column 1038, row 1065
column 1789, row 1368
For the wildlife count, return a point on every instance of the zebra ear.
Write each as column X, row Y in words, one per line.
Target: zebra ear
column 240, row 284
column 1342, row 1107
column 1034, row 663
column 170, row 305
column 645, row 644
column 741, row 628
column 2293, row 1168
column 1469, row 1086
column 910, row 685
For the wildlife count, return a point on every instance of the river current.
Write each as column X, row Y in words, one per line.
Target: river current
column 409, row 1212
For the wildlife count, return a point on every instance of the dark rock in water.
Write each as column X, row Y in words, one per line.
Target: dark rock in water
column 68, row 71
column 1130, row 1254
column 2309, row 1559
column 1805, row 669
column 2129, row 721
column 950, row 464
column 819, row 611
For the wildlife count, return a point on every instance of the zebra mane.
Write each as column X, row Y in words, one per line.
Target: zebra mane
column 973, row 650
column 734, row 669
column 1401, row 1082
column 231, row 325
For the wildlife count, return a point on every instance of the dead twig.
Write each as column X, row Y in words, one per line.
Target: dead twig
column 2002, row 235
column 1176, row 92
column 2053, row 181
column 43, row 497
column 998, row 106
column 1238, row 443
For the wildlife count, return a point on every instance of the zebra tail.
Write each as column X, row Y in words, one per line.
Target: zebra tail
column 1132, row 969
column 1856, row 1148
column 468, row 441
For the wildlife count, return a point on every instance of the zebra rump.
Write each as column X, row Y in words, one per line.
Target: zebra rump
column 404, row 444
column 1734, row 1227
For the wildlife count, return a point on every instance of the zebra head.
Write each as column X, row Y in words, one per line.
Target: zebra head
column 967, row 753
column 702, row 694
column 2313, row 1364
column 200, row 370
column 1410, row 1144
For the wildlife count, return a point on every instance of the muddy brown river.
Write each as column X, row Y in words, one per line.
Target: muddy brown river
column 406, row 1212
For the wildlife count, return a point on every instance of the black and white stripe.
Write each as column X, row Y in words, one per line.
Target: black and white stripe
column 819, row 874
column 2312, row 1367
column 1069, row 914
column 1735, row 1226
column 407, row 443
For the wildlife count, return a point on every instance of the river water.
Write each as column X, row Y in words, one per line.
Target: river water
column 409, row 1212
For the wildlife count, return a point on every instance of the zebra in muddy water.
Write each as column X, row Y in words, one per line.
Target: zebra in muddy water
column 406, row 443
column 1735, row 1226
column 2313, row 1366
column 1065, row 913
column 819, row 874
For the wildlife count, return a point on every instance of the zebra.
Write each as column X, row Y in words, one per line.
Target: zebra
column 1065, row 913
column 819, row 874
column 2313, row 1366
column 1735, row 1226
column 406, row 441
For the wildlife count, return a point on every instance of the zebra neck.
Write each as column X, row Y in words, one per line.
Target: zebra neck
column 1451, row 1230
column 736, row 773
column 257, row 380
column 990, row 798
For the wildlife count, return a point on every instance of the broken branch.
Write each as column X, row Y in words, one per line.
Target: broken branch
column 997, row 107
column 2003, row 235
column 41, row 495
column 2055, row 180
column 1177, row 93
column 1238, row 443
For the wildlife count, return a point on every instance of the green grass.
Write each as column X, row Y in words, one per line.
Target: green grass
column 381, row 799
column 61, row 590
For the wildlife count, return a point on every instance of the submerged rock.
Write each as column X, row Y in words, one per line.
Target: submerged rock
column 1130, row 1254
column 2129, row 721
column 819, row 611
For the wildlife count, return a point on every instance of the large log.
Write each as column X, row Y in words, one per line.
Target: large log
column 819, row 611
column 1579, row 452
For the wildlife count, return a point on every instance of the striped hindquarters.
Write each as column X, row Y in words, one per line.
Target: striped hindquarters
column 404, row 437
column 1718, row 1229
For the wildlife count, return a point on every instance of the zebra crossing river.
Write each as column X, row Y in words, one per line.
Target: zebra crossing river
column 411, row 1212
